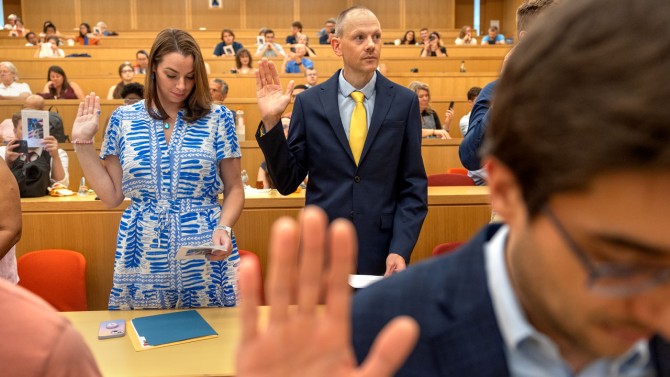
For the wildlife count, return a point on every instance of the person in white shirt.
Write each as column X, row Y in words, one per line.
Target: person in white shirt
column 465, row 37
column 9, row 88
column 49, row 49
column 465, row 120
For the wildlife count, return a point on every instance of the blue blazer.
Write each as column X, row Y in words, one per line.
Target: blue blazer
column 385, row 196
column 473, row 139
column 449, row 297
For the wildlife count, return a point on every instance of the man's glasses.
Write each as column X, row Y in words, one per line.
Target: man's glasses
column 610, row 279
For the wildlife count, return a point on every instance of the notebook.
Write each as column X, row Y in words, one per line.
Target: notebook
column 169, row 329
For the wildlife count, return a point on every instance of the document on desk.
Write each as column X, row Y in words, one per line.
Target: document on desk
column 362, row 281
column 169, row 329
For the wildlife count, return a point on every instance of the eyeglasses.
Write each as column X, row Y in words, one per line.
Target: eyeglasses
column 610, row 279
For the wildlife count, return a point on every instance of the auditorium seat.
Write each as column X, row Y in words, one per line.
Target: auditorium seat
column 446, row 247
column 450, row 180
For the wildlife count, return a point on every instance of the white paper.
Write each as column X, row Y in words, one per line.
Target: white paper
column 362, row 281
column 35, row 126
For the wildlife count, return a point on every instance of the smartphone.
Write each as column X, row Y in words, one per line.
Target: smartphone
column 22, row 146
column 112, row 329
column 451, row 105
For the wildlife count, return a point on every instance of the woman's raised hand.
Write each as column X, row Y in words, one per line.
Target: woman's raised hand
column 88, row 115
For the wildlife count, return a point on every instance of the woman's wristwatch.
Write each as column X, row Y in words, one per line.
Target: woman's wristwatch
column 228, row 230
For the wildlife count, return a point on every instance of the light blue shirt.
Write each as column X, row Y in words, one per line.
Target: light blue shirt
column 531, row 353
column 347, row 103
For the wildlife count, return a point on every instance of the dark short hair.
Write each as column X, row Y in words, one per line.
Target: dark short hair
column 556, row 134
column 473, row 93
column 297, row 24
column 197, row 103
column 133, row 88
column 28, row 35
column 268, row 31
column 493, row 28
column 301, row 86
column 528, row 10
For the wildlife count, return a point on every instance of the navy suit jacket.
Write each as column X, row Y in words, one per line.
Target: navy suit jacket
column 468, row 151
column 449, row 298
column 385, row 196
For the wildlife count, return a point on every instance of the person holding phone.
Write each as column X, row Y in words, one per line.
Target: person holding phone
column 430, row 121
column 433, row 46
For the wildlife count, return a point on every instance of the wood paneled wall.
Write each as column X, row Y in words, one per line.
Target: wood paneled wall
column 123, row 15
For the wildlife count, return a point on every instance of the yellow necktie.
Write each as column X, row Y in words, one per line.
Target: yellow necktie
column 358, row 128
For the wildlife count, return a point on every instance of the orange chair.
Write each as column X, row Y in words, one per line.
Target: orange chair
column 447, row 247
column 248, row 255
column 449, row 180
column 461, row 171
column 58, row 276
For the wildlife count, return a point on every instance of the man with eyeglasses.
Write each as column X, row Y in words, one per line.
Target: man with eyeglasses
column 577, row 283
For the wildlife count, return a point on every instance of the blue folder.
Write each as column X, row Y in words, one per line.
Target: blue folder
column 172, row 327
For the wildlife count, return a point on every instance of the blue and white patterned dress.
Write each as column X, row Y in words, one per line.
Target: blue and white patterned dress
column 173, row 190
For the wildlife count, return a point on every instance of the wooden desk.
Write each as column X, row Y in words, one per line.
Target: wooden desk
column 86, row 225
column 116, row 357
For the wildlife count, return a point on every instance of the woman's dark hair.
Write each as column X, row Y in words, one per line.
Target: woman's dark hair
column 88, row 29
column 227, row 31
column 404, row 39
column 238, row 61
column 59, row 70
column 133, row 88
column 197, row 103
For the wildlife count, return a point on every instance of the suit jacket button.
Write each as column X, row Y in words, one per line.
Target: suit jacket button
column 357, row 179
column 351, row 214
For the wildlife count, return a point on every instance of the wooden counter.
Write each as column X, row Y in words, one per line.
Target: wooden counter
column 86, row 225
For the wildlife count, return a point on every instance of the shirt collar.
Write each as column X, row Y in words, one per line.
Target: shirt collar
column 346, row 88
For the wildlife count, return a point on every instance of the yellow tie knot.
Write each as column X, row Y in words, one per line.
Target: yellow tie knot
column 358, row 96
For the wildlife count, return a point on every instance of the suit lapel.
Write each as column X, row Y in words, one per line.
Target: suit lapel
column 384, row 94
column 328, row 92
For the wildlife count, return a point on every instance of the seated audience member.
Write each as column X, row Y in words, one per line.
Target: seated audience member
column 408, row 38
column 37, row 340
column 133, row 92
column 85, row 36
column 302, row 38
column 430, row 121
column 57, row 86
column 296, row 62
column 218, row 89
column 19, row 29
column 465, row 120
column 227, row 39
column 243, row 62
column 102, row 30
column 56, row 129
column 9, row 88
column 494, row 37
column 311, row 77
column 296, row 28
column 31, row 39
column 423, row 36
column 269, row 49
column 11, row 21
column 465, row 37
column 51, row 162
column 141, row 62
column 10, row 230
column 49, row 30
column 502, row 306
column 328, row 32
column 126, row 73
column 49, row 49
column 434, row 46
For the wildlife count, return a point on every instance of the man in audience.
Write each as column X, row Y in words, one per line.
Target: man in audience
column 31, row 39
column 218, row 89
column 494, row 37
column 141, row 62
column 296, row 28
column 465, row 119
column 296, row 62
column 363, row 155
column 576, row 283
column 328, row 32
column 9, row 87
column 269, row 49
column 311, row 77
column 423, row 35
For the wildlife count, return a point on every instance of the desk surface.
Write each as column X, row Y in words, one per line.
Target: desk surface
column 116, row 357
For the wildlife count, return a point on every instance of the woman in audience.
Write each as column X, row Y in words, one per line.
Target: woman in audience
column 9, row 88
column 141, row 62
column 49, row 49
column 127, row 73
column 18, row 30
column 57, row 86
column 49, row 30
column 408, row 38
column 227, row 39
column 465, row 37
column 434, row 46
column 85, row 37
column 430, row 121
column 243, row 62
column 172, row 154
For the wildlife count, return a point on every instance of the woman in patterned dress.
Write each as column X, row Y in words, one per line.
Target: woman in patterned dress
column 171, row 154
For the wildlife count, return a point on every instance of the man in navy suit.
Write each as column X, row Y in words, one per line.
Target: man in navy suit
column 577, row 281
column 384, row 191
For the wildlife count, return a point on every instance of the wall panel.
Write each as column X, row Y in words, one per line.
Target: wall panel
column 116, row 14
column 463, row 13
column 61, row 13
column 270, row 13
column 388, row 11
column 313, row 14
column 432, row 14
column 228, row 17
column 158, row 14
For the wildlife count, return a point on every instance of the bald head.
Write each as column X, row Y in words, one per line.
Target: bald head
column 344, row 18
column 34, row 102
